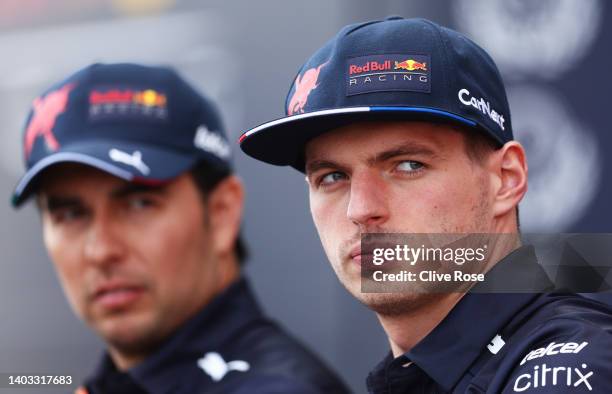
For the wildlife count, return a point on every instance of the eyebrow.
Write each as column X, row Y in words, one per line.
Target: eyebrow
column 411, row 148
column 55, row 202
column 135, row 188
column 414, row 149
column 316, row 165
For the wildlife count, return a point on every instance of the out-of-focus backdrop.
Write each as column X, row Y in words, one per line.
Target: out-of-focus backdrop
column 554, row 55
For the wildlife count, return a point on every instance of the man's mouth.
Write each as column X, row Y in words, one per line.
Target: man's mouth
column 358, row 256
column 117, row 295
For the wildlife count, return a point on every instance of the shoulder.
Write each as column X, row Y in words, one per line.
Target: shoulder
column 281, row 363
column 568, row 316
column 566, row 347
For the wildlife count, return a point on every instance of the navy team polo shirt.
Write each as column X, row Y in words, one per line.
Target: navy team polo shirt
column 508, row 343
column 229, row 347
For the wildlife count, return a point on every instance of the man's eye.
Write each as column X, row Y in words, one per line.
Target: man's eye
column 409, row 166
column 331, row 178
column 67, row 215
column 139, row 202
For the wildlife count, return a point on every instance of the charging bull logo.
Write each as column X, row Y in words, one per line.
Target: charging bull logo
column 410, row 65
column 304, row 84
column 46, row 111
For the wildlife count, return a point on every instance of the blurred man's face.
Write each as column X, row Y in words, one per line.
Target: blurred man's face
column 400, row 177
column 134, row 261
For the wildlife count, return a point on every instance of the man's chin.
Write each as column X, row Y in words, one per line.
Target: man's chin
column 130, row 333
column 391, row 304
column 384, row 303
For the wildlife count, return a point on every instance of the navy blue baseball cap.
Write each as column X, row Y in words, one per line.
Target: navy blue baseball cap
column 394, row 69
column 140, row 123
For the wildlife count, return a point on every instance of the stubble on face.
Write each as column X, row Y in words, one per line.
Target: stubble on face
column 406, row 303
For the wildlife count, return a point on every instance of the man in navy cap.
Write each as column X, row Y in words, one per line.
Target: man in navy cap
column 403, row 126
column 141, row 215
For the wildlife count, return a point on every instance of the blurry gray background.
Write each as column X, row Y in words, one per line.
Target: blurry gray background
column 554, row 55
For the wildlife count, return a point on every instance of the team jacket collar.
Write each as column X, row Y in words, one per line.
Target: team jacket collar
column 448, row 351
column 216, row 324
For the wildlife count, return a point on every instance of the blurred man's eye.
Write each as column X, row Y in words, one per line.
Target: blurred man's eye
column 140, row 202
column 67, row 215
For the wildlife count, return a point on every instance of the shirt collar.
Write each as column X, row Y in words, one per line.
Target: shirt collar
column 447, row 352
column 209, row 330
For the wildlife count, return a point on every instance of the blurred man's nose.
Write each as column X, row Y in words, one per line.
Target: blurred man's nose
column 104, row 244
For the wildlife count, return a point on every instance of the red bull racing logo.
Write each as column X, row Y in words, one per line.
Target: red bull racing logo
column 124, row 102
column 304, row 84
column 46, row 110
column 410, row 65
column 370, row 66
column 378, row 73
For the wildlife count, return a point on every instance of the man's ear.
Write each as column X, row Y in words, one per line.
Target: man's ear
column 225, row 203
column 508, row 167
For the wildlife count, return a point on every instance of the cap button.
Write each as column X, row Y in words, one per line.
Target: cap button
column 393, row 18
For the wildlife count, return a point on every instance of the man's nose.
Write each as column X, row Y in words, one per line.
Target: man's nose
column 368, row 204
column 103, row 242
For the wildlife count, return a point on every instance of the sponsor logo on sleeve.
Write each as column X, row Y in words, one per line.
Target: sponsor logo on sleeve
column 543, row 375
column 553, row 349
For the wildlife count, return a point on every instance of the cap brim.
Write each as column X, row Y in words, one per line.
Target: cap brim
column 282, row 141
column 116, row 158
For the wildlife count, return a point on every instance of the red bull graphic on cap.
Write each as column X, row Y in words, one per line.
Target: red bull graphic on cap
column 46, row 111
column 410, row 65
column 304, row 84
column 393, row 72
column 112, row 103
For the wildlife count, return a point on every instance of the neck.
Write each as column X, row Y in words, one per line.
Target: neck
column 505, row 239
column 123, row 360
column 229, row 272
column 406, row 330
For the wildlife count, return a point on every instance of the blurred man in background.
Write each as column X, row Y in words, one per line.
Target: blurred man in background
column 403, row 126
column 141, row 217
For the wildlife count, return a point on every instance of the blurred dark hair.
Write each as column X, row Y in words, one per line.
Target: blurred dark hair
column 207, row 177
